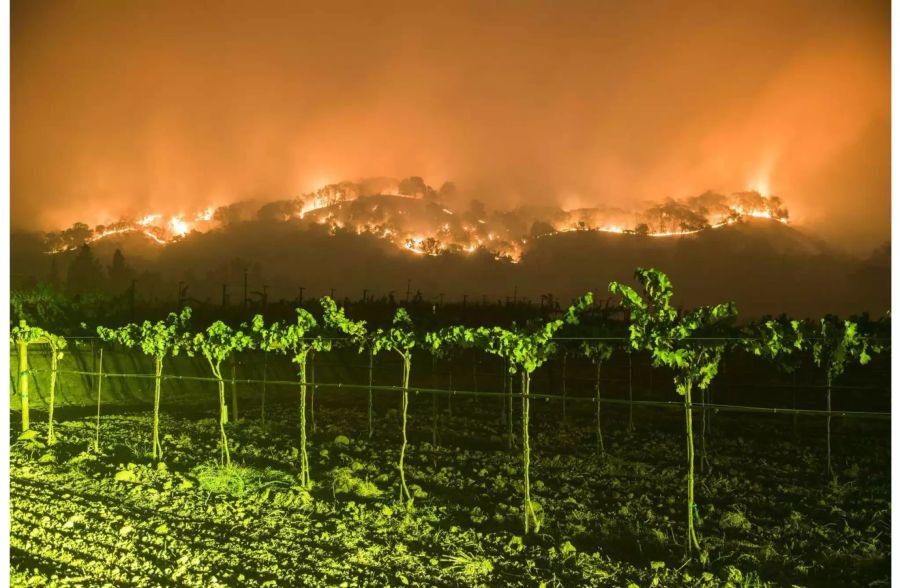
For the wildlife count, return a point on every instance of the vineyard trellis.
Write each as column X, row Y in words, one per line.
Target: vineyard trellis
column 774, row 410
column 22, row 336
column 157, row 340
column 656, row 326
column 691, row 343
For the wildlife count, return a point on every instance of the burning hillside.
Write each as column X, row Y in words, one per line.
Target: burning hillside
column 417, row 218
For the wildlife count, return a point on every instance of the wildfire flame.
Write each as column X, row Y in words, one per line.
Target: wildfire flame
column 430, row 229
column 179, row 227
column 148, row 220
column 151, row 226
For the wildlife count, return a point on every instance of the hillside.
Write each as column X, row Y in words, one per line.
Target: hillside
column 765, row 266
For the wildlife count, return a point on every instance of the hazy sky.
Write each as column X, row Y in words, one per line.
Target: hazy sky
column 129, row 107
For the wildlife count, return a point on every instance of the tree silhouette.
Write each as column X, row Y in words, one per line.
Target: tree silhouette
column 85, row 273
column 120, row 274
column 413, row 186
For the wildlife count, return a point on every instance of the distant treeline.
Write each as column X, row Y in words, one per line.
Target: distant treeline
column 64, row 313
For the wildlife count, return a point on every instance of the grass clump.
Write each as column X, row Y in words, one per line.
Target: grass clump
column 344, row 481
column 735, row 519
column 471, row 568
column 238, row 480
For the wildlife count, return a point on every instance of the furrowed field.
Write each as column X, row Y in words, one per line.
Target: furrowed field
column 321, row 451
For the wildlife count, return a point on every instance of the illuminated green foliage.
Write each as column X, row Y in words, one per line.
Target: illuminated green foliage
column 158, row 340
column 401, row 338
column 594, row 338
column 440, row 344
column 779, row 340
column 341, row 331
column 687, row 343
column 22, row 336
column 43, row 305
column 679, row 343
column 525, row 350
column 836, row 344
column 297, row 340
column 368, row 344
column 338, row 325
column 217, row 343
column 598, row 352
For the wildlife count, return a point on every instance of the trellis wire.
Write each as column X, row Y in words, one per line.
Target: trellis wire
column 621, row 339
column 568, row 378
column 486, row 393
column 491, row 374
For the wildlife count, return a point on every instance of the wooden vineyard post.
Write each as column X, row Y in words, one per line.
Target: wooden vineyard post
column 99, row 390
column 54, row 365
column 434, row 404
column 312, row 396
column 450, row 386
column 371, row 360
column 22, row 348
column 508, row 400
column 262, row 408
column 794, row 403
column 828, row 425
column 503, row 418
column 630, row 395
column 600, row 449
column 234, row 399
column 564, row 362
column 702, row 429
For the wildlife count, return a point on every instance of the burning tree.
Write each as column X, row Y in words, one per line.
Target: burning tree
column 675, row 217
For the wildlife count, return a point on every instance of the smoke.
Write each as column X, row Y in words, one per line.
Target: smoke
column 174, row 106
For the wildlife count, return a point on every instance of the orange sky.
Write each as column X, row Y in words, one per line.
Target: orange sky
column 124, row 107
